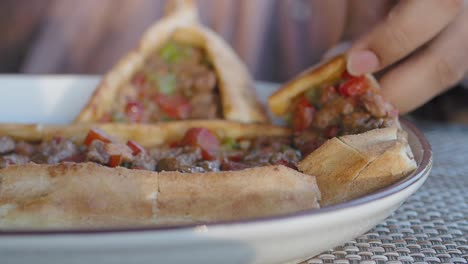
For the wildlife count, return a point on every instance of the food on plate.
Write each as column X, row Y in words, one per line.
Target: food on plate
column 200, row 150
column 180, row 70
column 126, row 174
column 349, row 136
column 326, row 101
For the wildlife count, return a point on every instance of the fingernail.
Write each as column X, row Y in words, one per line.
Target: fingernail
column 361, row 62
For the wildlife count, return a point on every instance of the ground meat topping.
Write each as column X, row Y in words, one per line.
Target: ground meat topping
column 97, row 153
column 349, row 106
column 199, row 150
column 7, row 144
column 12, row 159
column 176, row 82
column 54, row 151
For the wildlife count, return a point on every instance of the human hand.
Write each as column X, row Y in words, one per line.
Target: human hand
column 421, row 45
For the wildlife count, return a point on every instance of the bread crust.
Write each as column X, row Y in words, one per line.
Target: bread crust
column 147, row 135
column 89, row 195
column 354, row 165
column 325, row 72
column 238, row 98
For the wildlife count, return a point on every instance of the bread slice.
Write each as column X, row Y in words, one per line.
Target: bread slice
column 355, row 165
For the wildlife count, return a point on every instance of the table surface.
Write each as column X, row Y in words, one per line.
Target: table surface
column 432, row 225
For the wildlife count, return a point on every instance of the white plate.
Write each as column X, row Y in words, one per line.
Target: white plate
column 57, row 99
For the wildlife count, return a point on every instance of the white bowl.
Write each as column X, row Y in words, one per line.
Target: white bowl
column 294, row 237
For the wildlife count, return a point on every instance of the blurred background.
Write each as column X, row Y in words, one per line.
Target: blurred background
column 275, row 38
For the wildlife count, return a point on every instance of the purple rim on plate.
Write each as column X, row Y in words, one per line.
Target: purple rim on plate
column 424, row 166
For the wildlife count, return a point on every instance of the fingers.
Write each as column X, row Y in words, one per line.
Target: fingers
column 408, row 26
column 430, row 71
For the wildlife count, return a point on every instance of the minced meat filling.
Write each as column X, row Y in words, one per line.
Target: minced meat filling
column 348, row 106
column 176, row 82
column 199, row 151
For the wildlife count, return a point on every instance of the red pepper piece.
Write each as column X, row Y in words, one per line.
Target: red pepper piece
column 136, row 148
column 175, row 106
column 303, row 115
column 346, row 75
column 354, row 87
column 134, row 111
column 236, row 157
column 114, row 160
column 205, row 140
column 96, row 134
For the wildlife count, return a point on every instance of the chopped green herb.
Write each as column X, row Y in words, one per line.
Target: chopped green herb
column 230, row 144
column 170, row 52
column 173, row 52
column 285, row 147
column 127, row 165
column 313, row 95
column 167, row 83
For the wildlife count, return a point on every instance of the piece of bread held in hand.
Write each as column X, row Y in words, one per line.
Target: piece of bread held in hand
column 351, row 166
column 348, row 133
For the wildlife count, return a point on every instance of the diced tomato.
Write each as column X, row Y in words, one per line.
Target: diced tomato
column 236, row 157
column 96, row 134
column 331, row 131
column 134, row 111
column 139, row 79
column 114, row 160
column 175, row 106
column 346, row 75
column 205, row 140
column 174, row 144
column 354, row 87
column 136, row 148
column 303, row 115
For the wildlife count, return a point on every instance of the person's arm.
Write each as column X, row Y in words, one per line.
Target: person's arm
column 422, row 46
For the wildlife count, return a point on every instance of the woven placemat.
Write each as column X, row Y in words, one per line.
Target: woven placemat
column 432, row 225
